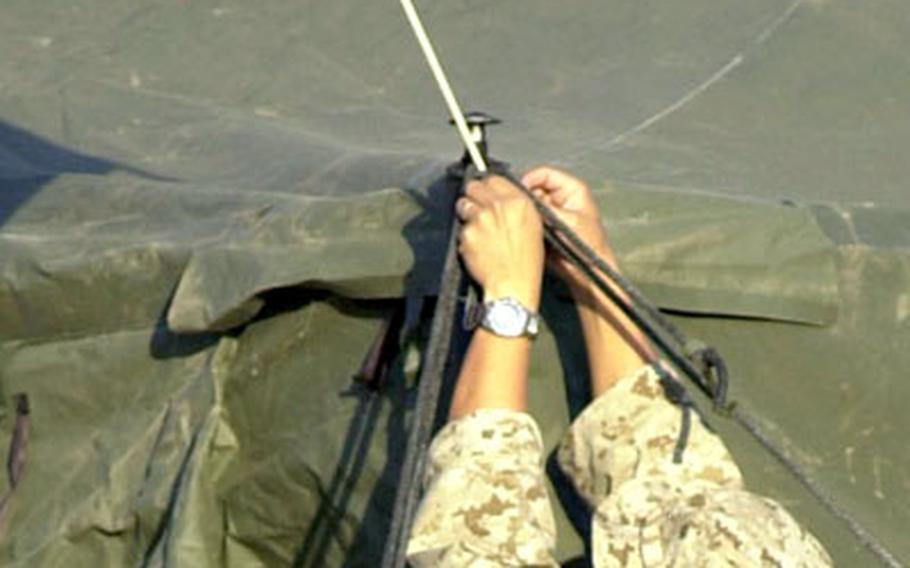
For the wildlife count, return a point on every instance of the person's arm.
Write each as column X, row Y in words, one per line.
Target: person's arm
column 501, row 243
column 651, row 510
column 615, row 347
column 486, row 502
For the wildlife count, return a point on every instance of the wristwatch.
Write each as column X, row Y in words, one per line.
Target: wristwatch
column 507, row 317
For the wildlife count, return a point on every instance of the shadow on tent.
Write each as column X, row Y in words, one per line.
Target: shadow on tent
column 28, row 162
column 367, row 543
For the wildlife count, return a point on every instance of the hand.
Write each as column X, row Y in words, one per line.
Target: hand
column 615, row 346
column 501, row 240
column 572, row 201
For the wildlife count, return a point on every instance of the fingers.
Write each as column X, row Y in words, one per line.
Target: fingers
column 477, row 190
column 481, row 194
column 465, row 238
column 466, row 209
column 543, row 181
column 499, row 200
column 554, row 182
column 550, row 178
column 489, row 189
column 541, row 195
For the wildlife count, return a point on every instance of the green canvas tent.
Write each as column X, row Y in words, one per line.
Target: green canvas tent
column 209, row 208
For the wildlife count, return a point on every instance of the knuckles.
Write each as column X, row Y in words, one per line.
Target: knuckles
column 500, row 202
column 467, row 236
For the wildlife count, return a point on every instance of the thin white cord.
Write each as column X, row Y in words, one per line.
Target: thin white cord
column 444, row 86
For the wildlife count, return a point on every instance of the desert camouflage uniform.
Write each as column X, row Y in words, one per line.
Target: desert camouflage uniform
column 486, row 503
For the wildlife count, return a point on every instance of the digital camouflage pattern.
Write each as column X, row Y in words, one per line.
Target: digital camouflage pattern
column 486, row 504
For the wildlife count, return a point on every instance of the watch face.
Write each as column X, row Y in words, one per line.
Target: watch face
column 505, row 318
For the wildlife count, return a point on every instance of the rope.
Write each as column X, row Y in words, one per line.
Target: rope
column 428, row 395
column 828, row 501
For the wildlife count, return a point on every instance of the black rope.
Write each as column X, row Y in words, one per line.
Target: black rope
column 828, row 501
column 428, row 395
column 714, row 369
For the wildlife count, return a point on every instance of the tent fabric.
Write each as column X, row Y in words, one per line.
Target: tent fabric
column 208, row 209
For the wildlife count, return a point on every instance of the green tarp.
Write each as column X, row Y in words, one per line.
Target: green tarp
column 208, row 209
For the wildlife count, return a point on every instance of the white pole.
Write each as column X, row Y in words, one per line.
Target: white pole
column 444, row 86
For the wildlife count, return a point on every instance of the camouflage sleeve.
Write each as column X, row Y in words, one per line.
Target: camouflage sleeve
column 649, row 511
column 485, row 503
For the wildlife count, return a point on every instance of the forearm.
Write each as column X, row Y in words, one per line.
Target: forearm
column 615, row 346
column 493, row 375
